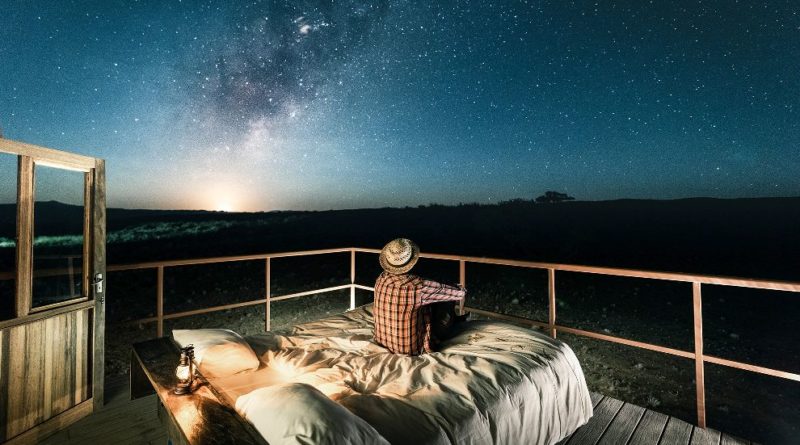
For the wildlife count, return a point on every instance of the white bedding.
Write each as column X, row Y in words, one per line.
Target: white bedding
column 492, row 383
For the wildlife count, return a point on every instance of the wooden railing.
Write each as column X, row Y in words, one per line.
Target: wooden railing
column 551, row 326
column 159, row 266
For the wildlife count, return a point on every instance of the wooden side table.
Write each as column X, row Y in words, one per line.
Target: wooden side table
column 190, row 419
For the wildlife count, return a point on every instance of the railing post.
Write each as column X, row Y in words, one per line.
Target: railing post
column 698, row 354
column 551, row 298
column 268, row 288
column 462, row 280
column 352, row 279
column 25, row 198
column 160, row 302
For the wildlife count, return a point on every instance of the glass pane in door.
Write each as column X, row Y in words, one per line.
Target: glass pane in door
column 8, row 233
column 58, row 225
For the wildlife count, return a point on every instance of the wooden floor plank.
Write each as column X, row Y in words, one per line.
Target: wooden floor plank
column 159, row 441
column 677, row 432
column 727, row 439
column 649, row 429
column 120, row 421
column 623, row 425
column 604, row 413
column 596, row 399
column 112, row 426
column 705, row 436
column 142, row 435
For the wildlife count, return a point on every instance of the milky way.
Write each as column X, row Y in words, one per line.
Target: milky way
column 282, row 54
column 321, row 104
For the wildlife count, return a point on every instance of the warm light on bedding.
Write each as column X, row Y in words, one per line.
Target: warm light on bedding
column 286, row 370
column 218, row 352
column 298, row 414
column 492, row 383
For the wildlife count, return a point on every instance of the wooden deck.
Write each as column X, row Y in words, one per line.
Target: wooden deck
column 120, row 422
column 619, row 423
column 123, row 422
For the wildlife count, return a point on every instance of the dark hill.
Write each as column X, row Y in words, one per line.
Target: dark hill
column 743, row 237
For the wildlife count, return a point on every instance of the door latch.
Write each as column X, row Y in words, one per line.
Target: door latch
column 98, row 286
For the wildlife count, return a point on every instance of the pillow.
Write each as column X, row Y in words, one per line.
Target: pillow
column 218, row 352
column 296, row 413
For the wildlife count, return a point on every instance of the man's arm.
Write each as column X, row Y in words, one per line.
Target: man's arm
column 433, row 292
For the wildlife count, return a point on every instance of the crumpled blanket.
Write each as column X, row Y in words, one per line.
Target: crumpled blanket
column 491, row 383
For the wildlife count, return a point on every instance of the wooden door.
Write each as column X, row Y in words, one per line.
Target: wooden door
column 52, row 336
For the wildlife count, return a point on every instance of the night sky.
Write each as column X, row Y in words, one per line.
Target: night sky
column 319, row 104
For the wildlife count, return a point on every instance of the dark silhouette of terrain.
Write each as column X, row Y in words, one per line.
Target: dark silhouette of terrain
column 758, row 238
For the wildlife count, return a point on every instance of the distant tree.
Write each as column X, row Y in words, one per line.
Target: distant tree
column 551, row 197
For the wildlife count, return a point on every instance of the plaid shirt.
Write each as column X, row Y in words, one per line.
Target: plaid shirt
column 402, row 322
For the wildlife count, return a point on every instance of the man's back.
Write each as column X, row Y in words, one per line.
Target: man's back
column 402, row 323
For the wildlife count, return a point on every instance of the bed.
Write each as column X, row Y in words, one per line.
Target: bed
column 491, row 383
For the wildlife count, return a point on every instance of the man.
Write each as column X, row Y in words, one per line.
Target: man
column 402, row 301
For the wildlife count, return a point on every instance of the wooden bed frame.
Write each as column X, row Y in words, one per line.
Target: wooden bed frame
column 201, row 417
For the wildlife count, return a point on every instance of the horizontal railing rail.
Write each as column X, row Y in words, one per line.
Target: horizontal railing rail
column 160, row 266
column 697, row 281
column 223, row 259
column 617, row 272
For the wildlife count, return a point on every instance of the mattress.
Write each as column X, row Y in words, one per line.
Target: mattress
column 491, row 383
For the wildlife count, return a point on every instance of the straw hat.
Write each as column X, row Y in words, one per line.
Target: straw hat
column 399, row 256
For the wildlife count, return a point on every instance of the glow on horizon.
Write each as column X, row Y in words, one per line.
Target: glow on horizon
column 223, row 196
column 224, row 206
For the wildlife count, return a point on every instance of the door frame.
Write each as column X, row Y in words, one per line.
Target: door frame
column 92, row 296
